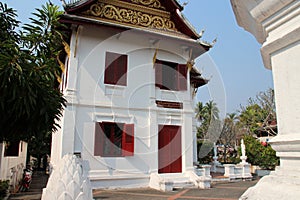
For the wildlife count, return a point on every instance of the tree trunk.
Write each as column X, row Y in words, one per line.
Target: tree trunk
column 39, row 160
column 225, row 154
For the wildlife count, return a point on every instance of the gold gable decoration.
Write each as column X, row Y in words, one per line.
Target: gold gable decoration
column 150, row 3
column 131, row 14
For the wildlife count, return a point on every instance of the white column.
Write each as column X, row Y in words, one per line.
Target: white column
column 71, row 87
column 195, row 153
column 276, row 24
column 63, row 138
column 187, row 139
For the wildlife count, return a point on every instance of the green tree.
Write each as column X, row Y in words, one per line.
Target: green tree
column 200, row 111
column 258, row 113
column 206, row 154
column 257, row 154
column 209, row 129
column 208, row 116
column 30, row 101
column 228, row 133
column 39, row 147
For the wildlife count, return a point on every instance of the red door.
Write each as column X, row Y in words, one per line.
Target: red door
column 169, row 146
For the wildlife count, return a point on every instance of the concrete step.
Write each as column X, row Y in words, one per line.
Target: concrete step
column 179, row 180
column 182, row 182
column 185, row 184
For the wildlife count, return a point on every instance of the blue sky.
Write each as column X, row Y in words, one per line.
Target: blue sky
column 236, row 54
column 234, row 65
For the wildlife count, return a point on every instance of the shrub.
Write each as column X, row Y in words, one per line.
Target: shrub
column 3, row 188
column 205, row 151
column 257, row 154
column 269, row 160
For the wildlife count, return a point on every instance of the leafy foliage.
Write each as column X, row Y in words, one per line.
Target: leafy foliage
column 3, row 188
column 39, row 147
column 269, row 160
column 257, row 154
column 228, row 133
column 205, row 153
column 208, row 116
column 30, row 100
column 259, row 112
column 252, row 119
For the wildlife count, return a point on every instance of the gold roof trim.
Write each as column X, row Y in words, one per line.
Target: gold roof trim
column 150, row 3
column 130, row 14
column 132, row 6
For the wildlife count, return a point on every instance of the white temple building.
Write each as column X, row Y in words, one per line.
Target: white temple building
column 130, row 84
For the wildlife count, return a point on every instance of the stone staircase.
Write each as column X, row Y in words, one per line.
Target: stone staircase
column 171, row 181
column 39, row 181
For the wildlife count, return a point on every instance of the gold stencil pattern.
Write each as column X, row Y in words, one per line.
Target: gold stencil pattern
column 149, row 3
column 137, row 16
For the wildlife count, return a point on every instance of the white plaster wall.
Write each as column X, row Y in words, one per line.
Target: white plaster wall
column 287, row 87
column 12, row 167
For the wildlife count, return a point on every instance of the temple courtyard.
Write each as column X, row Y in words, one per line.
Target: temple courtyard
column 218, row 191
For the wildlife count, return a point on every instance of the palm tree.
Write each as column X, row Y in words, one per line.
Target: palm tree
column 200, row 111
column 206, row 115
column 232, row 116
column 212, row 110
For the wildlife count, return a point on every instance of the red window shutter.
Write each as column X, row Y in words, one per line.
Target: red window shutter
column 99, row 139
column 109, row 68
column 121, row 70
column 115, row 69
column 128, row 140
column 181, row 77
column 158, row 74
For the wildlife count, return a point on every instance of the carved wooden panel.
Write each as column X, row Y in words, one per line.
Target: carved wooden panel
column 138, row 13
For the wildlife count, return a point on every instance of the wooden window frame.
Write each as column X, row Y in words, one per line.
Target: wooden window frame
column 166, row 71
column 105, row 133
column 12, row 149
column 115, row 69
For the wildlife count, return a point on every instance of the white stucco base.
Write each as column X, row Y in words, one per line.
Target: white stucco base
column 121, row 181
column 277, row 185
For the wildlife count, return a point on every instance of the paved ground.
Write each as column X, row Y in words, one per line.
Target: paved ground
column 39, row 181
column 219, row 191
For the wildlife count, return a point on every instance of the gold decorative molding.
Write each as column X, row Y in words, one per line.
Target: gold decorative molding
column 133, row 15
column 150, row 3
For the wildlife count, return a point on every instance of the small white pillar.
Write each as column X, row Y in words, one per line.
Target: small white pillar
column 243, row 148
column 206, row 169
column 215, row 163
column 229, row 171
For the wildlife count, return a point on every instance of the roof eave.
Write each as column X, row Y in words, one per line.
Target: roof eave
column 188, row 25
column 71, row 7
column 68, row 18
column 178, row 5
